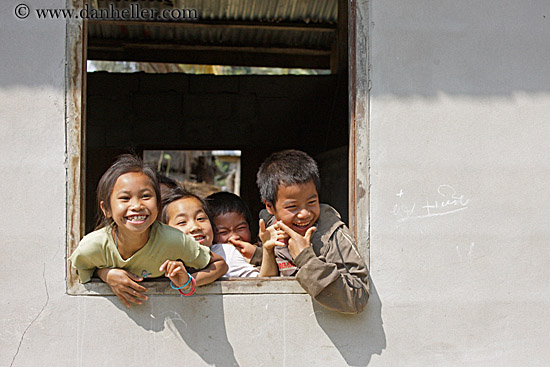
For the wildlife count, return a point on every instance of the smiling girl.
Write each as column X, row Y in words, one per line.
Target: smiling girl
column 132, row 245
column 189, row 213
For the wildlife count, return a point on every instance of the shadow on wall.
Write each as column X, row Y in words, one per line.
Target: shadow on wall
column 209, row 341
column 364, row 334
column 198, row 325
column 491, row 49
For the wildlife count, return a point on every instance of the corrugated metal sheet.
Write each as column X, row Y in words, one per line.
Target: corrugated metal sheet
column 267, row 26
column 316, row 11
column 216, row 36
column 265, row 11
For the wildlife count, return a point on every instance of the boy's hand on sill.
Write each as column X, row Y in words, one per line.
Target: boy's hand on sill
column 124, row 286
column 296, row 242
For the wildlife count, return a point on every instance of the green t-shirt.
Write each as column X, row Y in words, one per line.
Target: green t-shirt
column 98, row 250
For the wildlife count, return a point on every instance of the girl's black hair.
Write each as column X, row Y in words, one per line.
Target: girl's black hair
column 182, row 193
column 125, row 163
column 288, row 167
column 225, row 202
column 165, row 180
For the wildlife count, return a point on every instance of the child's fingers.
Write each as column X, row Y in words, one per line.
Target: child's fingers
column 128, row 282
column 166, row 266
column 134, row 298
column 310, row 231
column 272, row 243
column 243, row 246
column 175, row 271
column 163, row 266
column 238, row 243
column 137, row 293
column 172, row 267
column 273, row 227
column 122, row 297
column 262, row 225
column 180, row 267
column 137, row 287
column 134, row 277
column 125, row 287
column 134, row 294
column 128, row 295
column 289, row 231
column 135, row 290
column 279, row 243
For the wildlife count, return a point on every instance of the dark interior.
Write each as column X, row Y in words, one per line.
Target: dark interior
column 256, row 114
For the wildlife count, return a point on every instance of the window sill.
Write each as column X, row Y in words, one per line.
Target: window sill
column 224, row 286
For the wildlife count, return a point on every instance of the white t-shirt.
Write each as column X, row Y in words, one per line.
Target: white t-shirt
column 238, row 266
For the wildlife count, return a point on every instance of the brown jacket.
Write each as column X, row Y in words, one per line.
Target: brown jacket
column 331, row 270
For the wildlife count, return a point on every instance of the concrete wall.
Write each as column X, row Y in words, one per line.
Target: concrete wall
column 459, row 118
column 459, row 98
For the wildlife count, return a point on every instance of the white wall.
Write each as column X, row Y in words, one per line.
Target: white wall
column 41, row 325
column 459, row 97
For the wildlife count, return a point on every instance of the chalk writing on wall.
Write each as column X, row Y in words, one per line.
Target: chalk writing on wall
column 446, row 201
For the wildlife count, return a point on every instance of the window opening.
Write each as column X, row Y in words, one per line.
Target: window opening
column 84, row 49
column 203, row 171
column 161, row 68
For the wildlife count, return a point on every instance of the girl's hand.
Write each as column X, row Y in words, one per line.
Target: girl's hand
column 124, row 286
column 297, row 243
column 175, row 270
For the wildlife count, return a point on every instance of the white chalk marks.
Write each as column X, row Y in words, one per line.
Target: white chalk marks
column 446, row 201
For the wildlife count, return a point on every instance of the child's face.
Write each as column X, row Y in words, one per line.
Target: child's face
column 297, row 206
column 133, row 203
column 231, row 225
column 188, row 215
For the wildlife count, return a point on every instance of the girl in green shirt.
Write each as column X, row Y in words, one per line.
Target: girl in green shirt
column 131, row 244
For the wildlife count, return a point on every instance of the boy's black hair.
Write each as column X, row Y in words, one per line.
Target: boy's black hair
column 224, row 202
column 182, row 193
column 288, row 167
column 125, row 163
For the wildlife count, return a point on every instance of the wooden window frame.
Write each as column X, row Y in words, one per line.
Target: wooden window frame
column 358, row 91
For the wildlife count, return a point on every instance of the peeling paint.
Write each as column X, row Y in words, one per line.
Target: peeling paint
column 74, row 104
column 359, row 116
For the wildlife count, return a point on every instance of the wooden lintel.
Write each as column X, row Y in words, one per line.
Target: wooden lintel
column 115, row 45
column 127, row 50
column 214, row 57
column 256, row 26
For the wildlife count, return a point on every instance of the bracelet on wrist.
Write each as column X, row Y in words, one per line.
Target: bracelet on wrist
column 193, row 288
column 183, row 286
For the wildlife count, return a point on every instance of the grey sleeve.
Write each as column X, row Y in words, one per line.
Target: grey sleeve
column 257, row 257
column 339, row 280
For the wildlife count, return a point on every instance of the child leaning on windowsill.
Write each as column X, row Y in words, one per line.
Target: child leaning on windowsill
column 131, row 244
column 319, row 250
column 190, row 213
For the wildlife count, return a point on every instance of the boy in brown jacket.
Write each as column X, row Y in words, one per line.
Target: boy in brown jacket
column 319, row 249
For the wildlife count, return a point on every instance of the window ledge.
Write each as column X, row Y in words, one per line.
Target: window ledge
column 224, row 286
